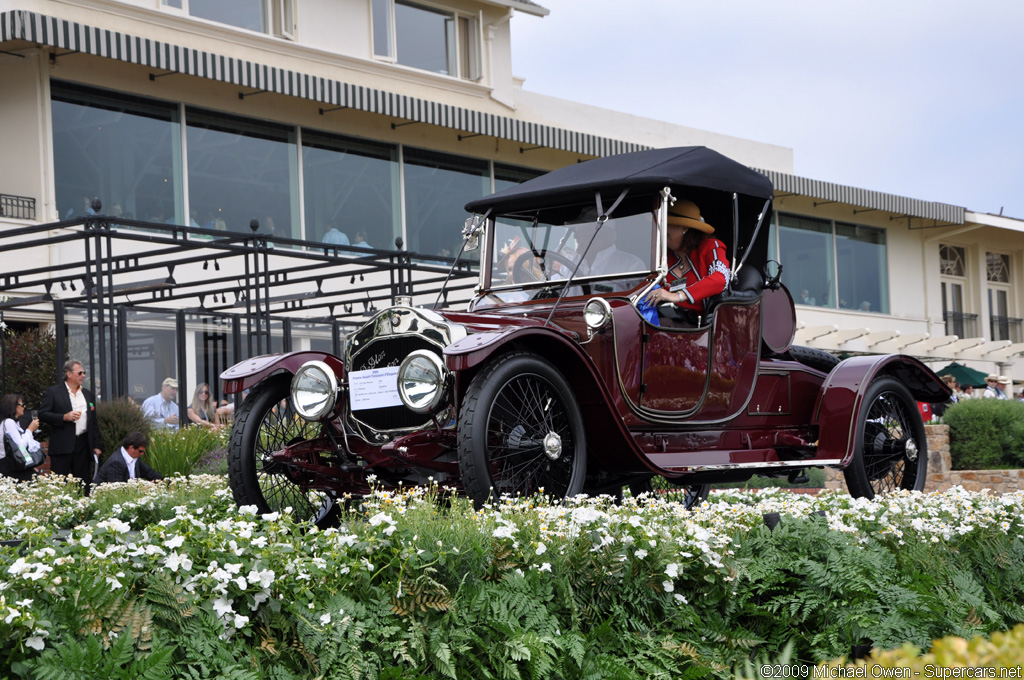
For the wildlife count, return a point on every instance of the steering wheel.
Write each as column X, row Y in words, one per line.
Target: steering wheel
column 524, row 268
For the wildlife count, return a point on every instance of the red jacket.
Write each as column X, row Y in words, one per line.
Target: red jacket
column 707, row 274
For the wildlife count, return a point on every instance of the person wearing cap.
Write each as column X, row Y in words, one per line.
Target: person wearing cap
column 161, row 408
column 1005, row 387
column 698, row 265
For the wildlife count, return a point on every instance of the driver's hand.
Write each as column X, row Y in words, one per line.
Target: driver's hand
column 661, row 295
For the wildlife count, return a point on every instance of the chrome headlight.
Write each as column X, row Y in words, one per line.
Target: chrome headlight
column 421, row 381
column 314, row 390
column 596, row 313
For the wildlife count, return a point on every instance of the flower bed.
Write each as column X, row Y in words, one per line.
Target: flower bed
column 172, row 580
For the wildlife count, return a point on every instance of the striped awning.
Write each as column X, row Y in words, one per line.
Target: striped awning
column 865, row 198
column 62, row 34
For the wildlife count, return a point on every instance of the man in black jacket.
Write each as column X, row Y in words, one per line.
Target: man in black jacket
column 70, row 410
column 125, row 464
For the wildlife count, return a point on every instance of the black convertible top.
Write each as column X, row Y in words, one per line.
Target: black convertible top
column 688, row 166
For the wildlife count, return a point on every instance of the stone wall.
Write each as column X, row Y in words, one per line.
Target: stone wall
column 941, row 474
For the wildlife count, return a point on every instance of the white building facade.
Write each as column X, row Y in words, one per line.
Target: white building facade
column 377, row 120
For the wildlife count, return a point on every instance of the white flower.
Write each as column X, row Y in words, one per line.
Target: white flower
column 175, row 542
column 12, row 614
column 241, row 620
column 240, row 582
column 272, row 516
column 545, row 567
column 115, row 525
column 35, row 642
column 325, row 619
column 250, row 510
column 232, row 568
column 640, row 554
column 114, row 583
column 265, row 578
column 175, row 561
column 672, row 570
column 668, row 586
column 504, row 531
column 680, row 599
column 541, row 548
column 222, row 607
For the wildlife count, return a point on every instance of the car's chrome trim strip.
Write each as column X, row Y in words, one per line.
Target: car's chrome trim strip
column 809, row 462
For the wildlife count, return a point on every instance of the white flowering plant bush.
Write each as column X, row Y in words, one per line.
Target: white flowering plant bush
column 173, row 580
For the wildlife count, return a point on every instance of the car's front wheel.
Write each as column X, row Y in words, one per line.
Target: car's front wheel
column 521, row 432
column 267, row 423
column 891, row 450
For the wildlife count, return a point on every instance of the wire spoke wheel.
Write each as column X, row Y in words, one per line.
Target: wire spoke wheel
column 892, row 451
column 266, row 424
column 521, row 432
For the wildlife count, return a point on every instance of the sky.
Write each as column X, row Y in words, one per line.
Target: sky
column 919, row 98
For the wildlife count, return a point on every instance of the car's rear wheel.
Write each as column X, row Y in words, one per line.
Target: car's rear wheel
column 266, row 423
column 521, row 432
column 891, row 450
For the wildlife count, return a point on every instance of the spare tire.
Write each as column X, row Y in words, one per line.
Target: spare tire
column 814, row 358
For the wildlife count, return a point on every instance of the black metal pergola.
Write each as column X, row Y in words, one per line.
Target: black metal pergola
column 111, row 267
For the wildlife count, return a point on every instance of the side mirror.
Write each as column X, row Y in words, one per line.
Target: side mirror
column 471, row 231
column 772, row 274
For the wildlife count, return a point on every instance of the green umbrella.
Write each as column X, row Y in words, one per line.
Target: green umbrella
column 964, row 375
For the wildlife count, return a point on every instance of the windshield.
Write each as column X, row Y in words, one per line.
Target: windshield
column 530, row 254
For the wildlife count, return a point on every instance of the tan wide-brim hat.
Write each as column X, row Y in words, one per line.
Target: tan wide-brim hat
column 992, row 376
column 686, row 214
column 1003, row 380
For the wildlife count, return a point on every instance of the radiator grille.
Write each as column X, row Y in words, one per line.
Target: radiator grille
column 389, row 351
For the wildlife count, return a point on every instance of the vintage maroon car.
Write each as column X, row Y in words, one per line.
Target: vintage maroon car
column 558, row 378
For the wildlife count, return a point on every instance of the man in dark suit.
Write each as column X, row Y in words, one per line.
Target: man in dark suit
column 125, row 464
column 70, row 410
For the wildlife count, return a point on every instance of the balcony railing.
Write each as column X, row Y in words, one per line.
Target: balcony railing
column 1006, row 328
column 18, row 207
column 960, row 324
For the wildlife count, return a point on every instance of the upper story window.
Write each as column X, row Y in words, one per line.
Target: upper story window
column 1003, row 325
column 263, row 16
column 427, row 38
column 953, row 271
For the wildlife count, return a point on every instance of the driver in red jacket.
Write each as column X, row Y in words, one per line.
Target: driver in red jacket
column 698, row 265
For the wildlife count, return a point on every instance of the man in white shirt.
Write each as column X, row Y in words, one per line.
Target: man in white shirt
column 161, row 408
column 125, row 464
column 70, row 411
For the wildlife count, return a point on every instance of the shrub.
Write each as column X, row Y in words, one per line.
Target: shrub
column 174, row 452
column 30, row 365
column 117, row 418
column 986, row 434
column 1002, row 651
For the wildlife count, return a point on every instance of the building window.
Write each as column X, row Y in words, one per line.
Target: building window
column 263, row 16
column 240, row 170
column 807, row 258
column 861, row 268
column 437, row 186
column 352, row 187
column 427, row 38
column 953, row 272
column 832, row 264
column 126, row 151
column 1003, row 326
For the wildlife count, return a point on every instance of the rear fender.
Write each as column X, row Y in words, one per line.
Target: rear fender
column 841, row 398
column 245, row 374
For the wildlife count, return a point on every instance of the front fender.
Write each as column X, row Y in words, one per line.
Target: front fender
column 245, row 374
column 476, row 348
column 841, row 398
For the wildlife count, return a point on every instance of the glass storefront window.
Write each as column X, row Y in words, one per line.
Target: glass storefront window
column 862, row 268
column 352, row 187
column 437, row 186
column 240, row 170
column 124, row 150
column 806, row 254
